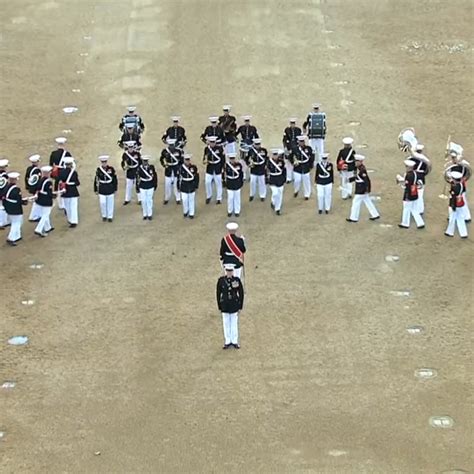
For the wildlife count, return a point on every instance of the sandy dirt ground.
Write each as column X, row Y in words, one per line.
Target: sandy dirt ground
column 124, row 355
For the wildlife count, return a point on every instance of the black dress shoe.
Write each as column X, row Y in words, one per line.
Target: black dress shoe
column 10, row 242
column 278, row 213
column 229, row 214
column 350, row 220
column 467, row 221
column 150, row 218
column 465, row 237
column 295, row 194
column 39, row 234
column 33, row 220
column 320, row 212
column 306, row 199
column 165, row 202
column 250, row 198
column 50, row 230
column 374, row 218
column 104, row 219
column 218, row 202
column 226, row 346
column 403, row 226
column 178, row 202
column 125, row 203
column 191, row 217
column 72, row 225
column 208, row 200
column 448, row 235
column 110, row 220
column 327, row 212
column 185, row 215
column 237, row 346
column 272, row 205
column 262, row 199
column 421, row 226
column 145, row 218
column 236, row 215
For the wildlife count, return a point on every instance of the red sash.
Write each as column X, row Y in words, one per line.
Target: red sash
column 234, row 248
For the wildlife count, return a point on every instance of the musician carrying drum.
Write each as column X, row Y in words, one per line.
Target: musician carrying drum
column 315, row 128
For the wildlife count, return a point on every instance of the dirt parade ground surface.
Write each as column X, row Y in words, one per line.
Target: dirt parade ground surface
column 124, row 370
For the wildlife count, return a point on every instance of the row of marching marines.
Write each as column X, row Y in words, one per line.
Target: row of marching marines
column 228, row 164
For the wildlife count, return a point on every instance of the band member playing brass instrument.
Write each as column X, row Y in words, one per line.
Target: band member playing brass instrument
column 214, row 160
column 32, row 176
column 234, row 180
column 276, row 175
column 457, row 163
column 147, row 181
column 188, row 184
column 290, row 142
column 422, row 169
column 346, row 166
column 257, row 162
column 213, row 130
column 302, row 159
column 410, row 186
column 171, row 159
column 456, row 205
column 130, row 164
column 228, row 124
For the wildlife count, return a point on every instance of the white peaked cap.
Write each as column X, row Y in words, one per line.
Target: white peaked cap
column 359, row 157
column 34, row 158
column 146, row 157
column 46, row 169
column 131, row 108
column 60, row 140
column 456, row 174
column 409, row 163
column 325, row 155
column 4, row 163
column 13, row 175
column 229, row 267
column 68, row 160
column 226, row 107
column 232, row 154
column 212, row 139
column 348, row 140
column 292, row 119
column 103, row 157
column 420, row 147
column 187, row 156
column 316, row 105
column 257, row 141
column 301, row 137
column 232, row 226
column 213, row 118
column 246, row 117
column 175, row 118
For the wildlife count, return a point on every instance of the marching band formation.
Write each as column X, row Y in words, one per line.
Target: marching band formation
column 232, row 154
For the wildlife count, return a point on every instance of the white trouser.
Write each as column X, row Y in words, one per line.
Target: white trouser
column 147, row 201
column 262, row 187
column 106, row 203
column 230, row 322
column 277, row 196
column 457, row 218
column 317, row 144
column 346, row 185
column 171, row 184
column 71, row 205
column 61, row 202
column 324, row 192
column 129, row 185
column 465, row 208
column 357, row 202
column 217, row 179
column 289, row 170
column 410, row 208
column 44, row 224
column 35, row 212
column 245, row 169
column 420, row 202
column 4, row 218
column 230, row 148
column 233, row 201
column 15, row 229
column 188, row 200
column 306, row 179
